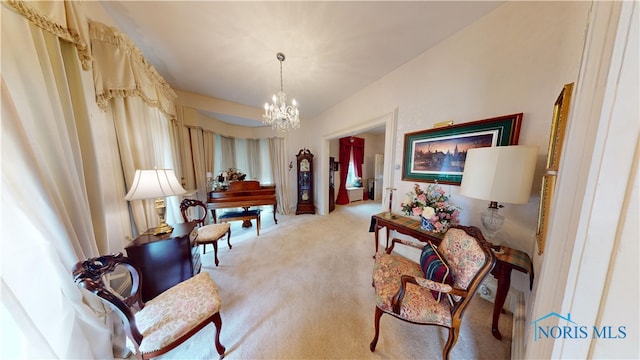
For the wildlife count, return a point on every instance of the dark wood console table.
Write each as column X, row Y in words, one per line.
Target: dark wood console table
column 505, row 262
column 165, row 260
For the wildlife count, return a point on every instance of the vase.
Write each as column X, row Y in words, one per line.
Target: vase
column 426, row 224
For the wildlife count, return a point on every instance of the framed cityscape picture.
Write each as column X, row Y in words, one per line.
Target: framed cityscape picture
column 438, row 155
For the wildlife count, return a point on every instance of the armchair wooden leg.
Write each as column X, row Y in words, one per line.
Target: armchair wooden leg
column 217, row 321
column 453, row 338
column 229, row 237
column 376, row 321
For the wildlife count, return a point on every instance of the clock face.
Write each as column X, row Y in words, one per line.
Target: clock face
column 304, row 165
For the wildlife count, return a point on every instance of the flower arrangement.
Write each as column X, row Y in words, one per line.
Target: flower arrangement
column 230, row 175
column 433, row 205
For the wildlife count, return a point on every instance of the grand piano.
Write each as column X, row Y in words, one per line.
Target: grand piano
column 242, row 194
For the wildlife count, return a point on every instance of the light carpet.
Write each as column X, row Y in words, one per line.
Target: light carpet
column 302, row 290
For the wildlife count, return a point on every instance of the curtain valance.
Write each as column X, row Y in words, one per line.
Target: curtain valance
column 64, row 19
column 120, row 69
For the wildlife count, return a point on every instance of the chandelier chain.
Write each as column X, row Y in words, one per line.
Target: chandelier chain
column 281, row 81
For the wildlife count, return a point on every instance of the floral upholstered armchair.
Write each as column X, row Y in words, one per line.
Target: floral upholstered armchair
column 162, row 323
column 437, row 290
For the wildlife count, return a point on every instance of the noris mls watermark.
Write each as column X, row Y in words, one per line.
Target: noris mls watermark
column 573, row 330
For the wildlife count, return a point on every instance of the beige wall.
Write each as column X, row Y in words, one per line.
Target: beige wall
column 191, row 103
column 516, row 59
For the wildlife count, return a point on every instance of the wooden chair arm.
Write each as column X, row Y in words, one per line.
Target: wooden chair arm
column 414, row 244
column 397, row 298
column 425, row 283
column 443, row 288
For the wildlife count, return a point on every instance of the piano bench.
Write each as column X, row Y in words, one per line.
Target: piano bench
column 246, row 217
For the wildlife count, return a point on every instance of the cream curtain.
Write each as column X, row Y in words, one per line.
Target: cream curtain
column 209, row 138
column 45, row 216
column 279, row 166
column 64, row 19
column 141, row 105
column 186, row 156
column 198, row 152
column 227, row 152
column 121, row 70
column 202, row 152
column 143, row 145
column 253, row 155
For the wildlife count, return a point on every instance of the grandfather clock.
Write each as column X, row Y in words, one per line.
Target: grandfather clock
column 305, row 182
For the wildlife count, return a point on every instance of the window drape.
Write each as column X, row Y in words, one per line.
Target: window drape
column 143, row 145
column 120, row 70
column 64, row 19
column 186, row 154
column 358, row 154
column 46, row 218
column 141, row 105
column 209, row 139
column 279, row 169
column 348, row 146
column 253, row 154
column 227, row 152
column 198, row 155
column 201, row 147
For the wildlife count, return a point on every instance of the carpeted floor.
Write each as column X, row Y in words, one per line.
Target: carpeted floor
column 302, row 290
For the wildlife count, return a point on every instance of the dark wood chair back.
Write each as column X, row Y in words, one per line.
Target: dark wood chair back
column 200, row 208
column 91, row 275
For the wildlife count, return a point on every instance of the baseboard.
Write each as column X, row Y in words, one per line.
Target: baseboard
column 518, row 327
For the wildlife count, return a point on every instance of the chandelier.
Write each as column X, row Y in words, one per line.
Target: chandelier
column 279, row 114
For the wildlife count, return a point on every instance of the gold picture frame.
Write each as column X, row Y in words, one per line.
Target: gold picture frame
column 546, row 193
column 556, row 138
column 558, row 126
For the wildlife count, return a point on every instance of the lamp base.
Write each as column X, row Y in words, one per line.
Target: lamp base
column 163, row 228
column 161, row 209
column 492, row 221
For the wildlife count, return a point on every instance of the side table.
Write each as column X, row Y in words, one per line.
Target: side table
column 165, row 260
column 506, row 261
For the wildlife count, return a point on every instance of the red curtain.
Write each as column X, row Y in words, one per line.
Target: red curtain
column 358, row 154
column 347, row 144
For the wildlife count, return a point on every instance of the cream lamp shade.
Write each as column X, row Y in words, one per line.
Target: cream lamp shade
column 156, row 184
column 498, row 174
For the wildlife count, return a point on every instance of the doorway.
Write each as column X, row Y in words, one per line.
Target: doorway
column 381, row 131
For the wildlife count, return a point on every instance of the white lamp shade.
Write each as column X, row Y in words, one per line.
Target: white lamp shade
column 500, row 173
column 151, row 184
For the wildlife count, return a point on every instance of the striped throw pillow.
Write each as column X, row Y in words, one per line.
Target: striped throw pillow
column 434, row 268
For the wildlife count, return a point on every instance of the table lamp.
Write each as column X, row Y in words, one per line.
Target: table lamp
column 498, row 174
column 156, row 184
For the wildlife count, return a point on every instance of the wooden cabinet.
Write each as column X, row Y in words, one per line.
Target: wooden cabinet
column 305, row 183
column 165, row 260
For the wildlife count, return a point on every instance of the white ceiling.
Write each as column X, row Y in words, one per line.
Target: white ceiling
column 228, row 49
